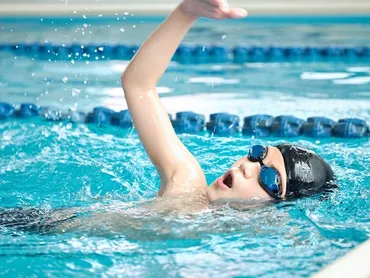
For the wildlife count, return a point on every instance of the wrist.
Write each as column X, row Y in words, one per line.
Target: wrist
column 186, row 12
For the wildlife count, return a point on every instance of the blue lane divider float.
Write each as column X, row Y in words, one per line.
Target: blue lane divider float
column 221, row 124
column 286, row 126
column 188, row 122
column 258, row 125
column 215, row 53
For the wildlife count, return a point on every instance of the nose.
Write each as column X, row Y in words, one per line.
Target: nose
column 249, row 169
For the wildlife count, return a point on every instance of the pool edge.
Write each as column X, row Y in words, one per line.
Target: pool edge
column 288, row 8
column 354, row 264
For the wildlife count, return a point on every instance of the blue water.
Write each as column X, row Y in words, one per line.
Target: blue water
column 106, row 171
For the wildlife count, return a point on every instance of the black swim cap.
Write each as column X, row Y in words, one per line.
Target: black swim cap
column 307, row 173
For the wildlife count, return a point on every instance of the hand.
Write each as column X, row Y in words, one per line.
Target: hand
column 213, row 9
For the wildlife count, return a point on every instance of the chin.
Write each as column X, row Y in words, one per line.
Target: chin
column 211, row 195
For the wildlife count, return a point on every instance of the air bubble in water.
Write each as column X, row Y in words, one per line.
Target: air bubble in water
column 122, row 30
column 65, row 79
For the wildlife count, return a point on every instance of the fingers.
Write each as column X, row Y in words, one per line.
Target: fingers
column 208, row 9
column 223, row 10
column 213, row 9
column 237, row 13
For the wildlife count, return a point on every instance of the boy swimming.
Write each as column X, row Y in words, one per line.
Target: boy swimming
column 268, row 173
column 265, row 173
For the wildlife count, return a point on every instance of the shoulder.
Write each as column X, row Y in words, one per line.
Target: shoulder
column 186, row 182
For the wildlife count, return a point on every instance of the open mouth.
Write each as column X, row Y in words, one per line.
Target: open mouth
column 228, row 180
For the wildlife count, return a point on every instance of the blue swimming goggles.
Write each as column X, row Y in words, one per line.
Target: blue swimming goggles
column 269, row 178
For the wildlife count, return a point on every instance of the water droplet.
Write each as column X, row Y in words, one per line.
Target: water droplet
column 75, row 92
column 7, row 137
column 65, row 79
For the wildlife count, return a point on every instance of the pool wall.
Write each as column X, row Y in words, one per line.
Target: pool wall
column 268, row 7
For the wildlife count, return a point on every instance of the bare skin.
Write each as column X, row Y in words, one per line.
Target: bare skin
column 245, row 176
column 183, row 184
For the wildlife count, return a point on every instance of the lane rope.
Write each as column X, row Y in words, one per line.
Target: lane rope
column 189, row 54
column 222, row 124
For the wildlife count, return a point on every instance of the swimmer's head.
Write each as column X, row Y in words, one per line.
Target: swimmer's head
column 278, row 173
column 307, row 173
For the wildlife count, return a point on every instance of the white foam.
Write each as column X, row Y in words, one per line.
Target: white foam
column 354, row 81
column 164, row 90
column 211, row 80
column 324, row 75
column 113, row 92
column 248, row 104
column 121, row 66
column 358, row 69
column 224, row 67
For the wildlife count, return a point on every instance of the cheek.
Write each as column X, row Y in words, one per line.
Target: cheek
column 250, row 191
column 240, row 161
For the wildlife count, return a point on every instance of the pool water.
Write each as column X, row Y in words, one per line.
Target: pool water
column 62, row 165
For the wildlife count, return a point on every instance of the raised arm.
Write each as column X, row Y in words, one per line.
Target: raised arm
column 178, row 169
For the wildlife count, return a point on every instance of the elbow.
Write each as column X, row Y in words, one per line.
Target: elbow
column 131, row 81
column 126, row 79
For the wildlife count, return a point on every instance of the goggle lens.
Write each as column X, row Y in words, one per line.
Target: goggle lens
column 257, row 153
column 270, row 179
